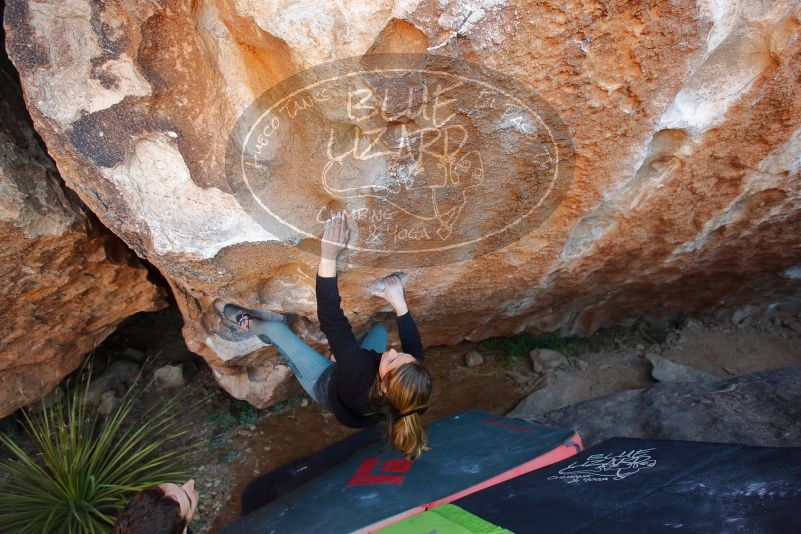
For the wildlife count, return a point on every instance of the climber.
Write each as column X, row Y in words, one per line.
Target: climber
column 363, row 382
column 163, row 509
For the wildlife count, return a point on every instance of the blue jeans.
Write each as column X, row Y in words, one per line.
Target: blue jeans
column 305, row 362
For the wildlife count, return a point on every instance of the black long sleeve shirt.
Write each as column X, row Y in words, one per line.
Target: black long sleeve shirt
column 356, row 368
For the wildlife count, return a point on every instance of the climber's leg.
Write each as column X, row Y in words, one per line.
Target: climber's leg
column 305, row 362
column 375, row 338
column 271, row 328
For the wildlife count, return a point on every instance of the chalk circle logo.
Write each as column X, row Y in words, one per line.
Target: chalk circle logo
column 434, row 160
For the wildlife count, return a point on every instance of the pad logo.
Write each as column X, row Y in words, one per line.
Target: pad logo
column 603, row 467
column 389, row 473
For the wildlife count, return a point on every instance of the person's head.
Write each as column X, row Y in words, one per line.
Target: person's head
column 405, row 387
column 163, row 509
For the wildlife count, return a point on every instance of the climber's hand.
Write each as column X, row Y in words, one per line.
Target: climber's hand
column 392, row 292
column 335, row 236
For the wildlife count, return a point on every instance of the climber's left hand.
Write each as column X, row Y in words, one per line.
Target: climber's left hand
column 335, row 236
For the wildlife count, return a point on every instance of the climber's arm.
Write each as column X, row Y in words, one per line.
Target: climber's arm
column 333, row 322
column 392, row 292
column 410, row 336
column 328, row 268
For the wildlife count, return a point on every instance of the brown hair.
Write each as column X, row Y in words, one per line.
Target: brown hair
column 151, row 511
column 408, row 392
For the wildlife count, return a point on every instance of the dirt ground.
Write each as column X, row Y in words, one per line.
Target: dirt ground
column 241, row 443
column 727, row 350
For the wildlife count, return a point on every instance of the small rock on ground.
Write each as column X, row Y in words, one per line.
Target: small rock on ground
column 546, row 360
column 120, row 374
column 665, row 370
column 559, row 389
column 473, row 359
column 108, row 401
column 579, row 364
column 169, row 377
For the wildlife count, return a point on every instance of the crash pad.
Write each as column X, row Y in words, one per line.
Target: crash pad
column 637, row 485
column 376, row 486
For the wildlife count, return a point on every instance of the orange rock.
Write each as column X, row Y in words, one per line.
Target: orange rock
column 67, row 281
column 680, row 122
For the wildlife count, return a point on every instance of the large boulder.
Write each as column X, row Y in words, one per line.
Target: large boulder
column 677, row 124
column 67, row 281
column 761, row 409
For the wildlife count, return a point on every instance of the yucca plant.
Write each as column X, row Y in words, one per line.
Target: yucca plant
column 85, row 467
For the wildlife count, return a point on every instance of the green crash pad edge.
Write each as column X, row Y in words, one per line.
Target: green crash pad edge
column 444, row 519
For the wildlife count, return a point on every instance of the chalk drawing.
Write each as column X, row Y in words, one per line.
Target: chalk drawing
column 605, row 467
column 435, row 160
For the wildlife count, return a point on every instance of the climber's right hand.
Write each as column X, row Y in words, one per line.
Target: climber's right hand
column 392, row 292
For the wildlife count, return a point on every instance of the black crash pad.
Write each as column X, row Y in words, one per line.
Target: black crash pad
column 637, row 485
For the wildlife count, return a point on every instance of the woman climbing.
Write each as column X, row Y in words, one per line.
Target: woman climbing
column 365, row 382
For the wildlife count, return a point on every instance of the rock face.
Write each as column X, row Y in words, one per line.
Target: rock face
column 67, row 282
column 673, row 133
column 761, row 409
column 593, row 374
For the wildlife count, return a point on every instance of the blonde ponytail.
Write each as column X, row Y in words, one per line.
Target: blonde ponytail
column 409, row 435
column 408, row 392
